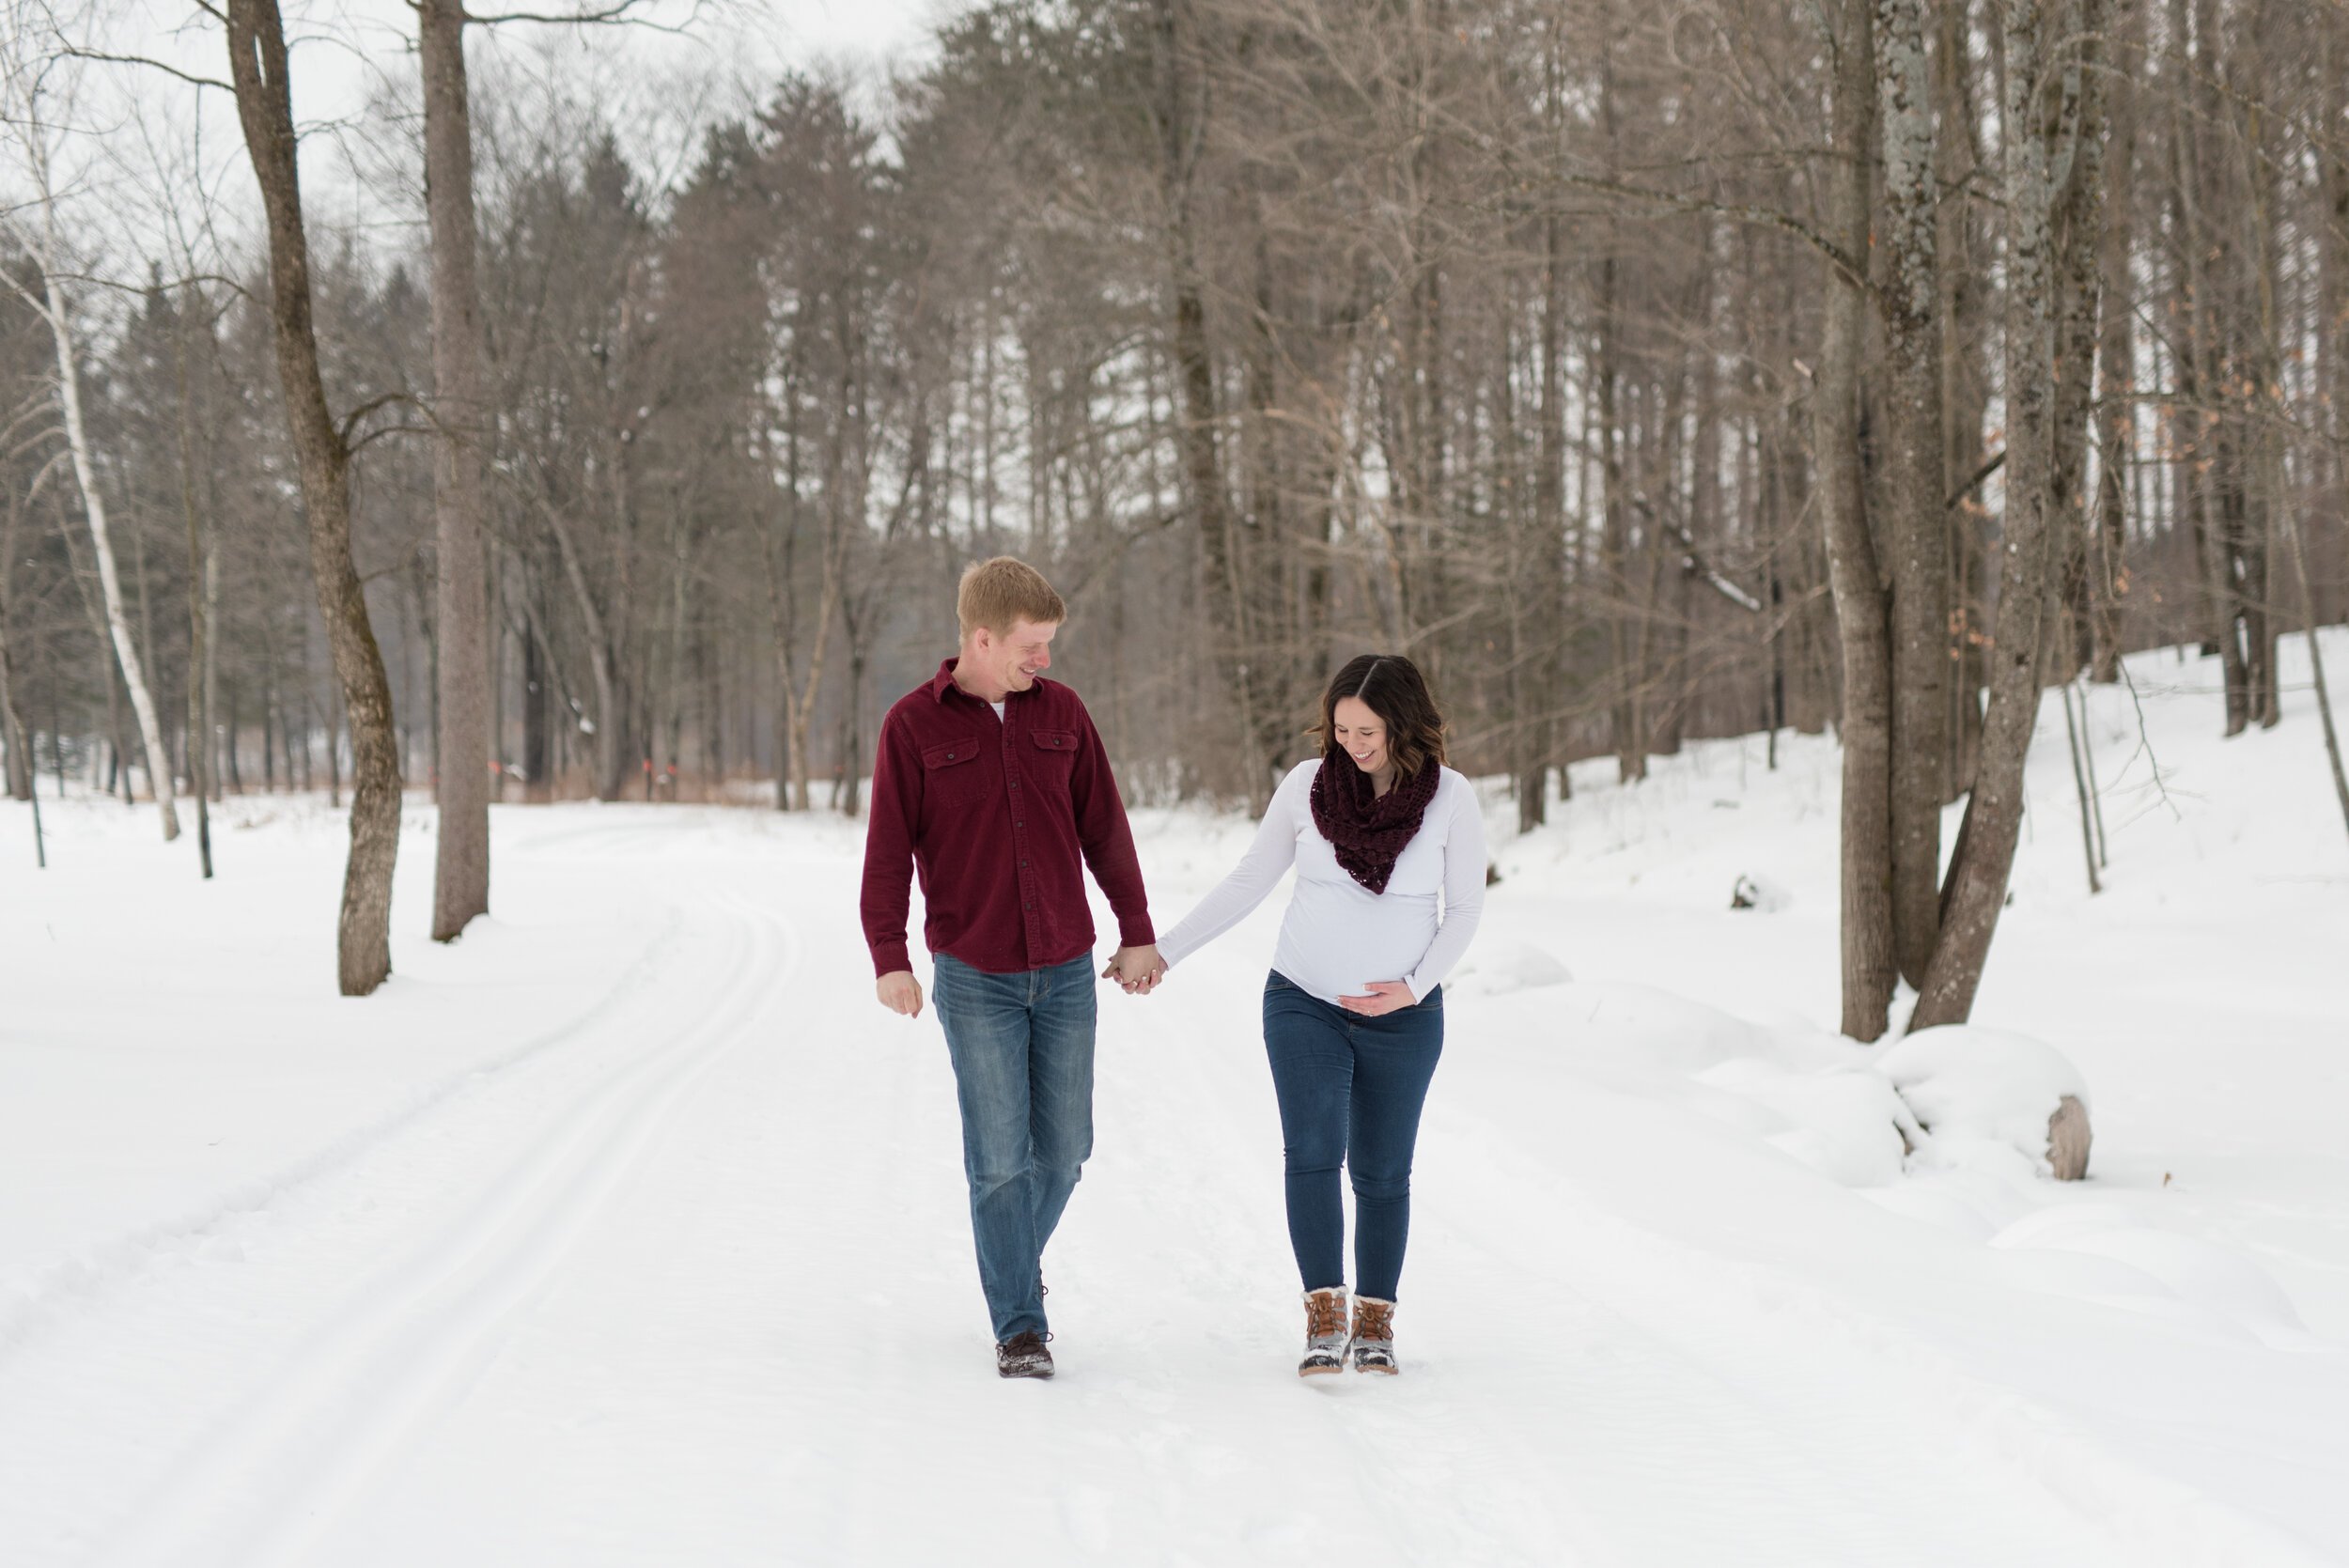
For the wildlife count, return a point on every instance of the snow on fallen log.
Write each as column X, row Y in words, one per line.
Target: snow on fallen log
column 1974, row 1089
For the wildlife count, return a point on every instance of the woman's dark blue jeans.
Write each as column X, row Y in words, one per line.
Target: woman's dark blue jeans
column 1350, row 1090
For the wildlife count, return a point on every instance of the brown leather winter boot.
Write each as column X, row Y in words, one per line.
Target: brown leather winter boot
column 1374, row 1335
column 1325, row 1331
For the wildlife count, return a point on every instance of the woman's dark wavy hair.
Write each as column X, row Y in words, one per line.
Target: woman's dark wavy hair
column 1397, row 693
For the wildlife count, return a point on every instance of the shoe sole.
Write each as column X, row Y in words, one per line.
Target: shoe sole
column 1032, row 1377
column 1383, row 1372
column 1329, row 1370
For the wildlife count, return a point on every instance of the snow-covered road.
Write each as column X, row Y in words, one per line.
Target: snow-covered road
column 690, row 1282
column 680, row 1274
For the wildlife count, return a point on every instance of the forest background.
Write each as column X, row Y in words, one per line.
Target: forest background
column 1647, row 373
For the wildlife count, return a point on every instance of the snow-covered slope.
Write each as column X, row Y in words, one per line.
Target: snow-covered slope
column 630, row 1229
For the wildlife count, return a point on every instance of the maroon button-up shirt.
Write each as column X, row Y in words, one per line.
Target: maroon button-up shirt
column 993, row 815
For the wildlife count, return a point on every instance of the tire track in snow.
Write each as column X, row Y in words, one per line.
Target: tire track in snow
column 411, row 1338
column 121, row 1259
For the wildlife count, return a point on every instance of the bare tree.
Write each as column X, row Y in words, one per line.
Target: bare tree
column 258, row 65
column 466, row 421
column 24, row 110
column 2053, row 149
column 1870, row 963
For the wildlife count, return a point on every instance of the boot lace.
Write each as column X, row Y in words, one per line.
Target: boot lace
column 1325, row 1314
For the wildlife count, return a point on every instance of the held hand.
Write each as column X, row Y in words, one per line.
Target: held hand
column 1386, row 996
column 1136, row 970
column 901, row 993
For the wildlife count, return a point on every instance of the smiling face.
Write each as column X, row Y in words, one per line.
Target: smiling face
column 1361, row 734
column 1378, row 714
column 1007, row 662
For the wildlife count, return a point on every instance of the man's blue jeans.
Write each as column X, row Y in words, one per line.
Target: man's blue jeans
column 1022, row 1051
column 1350, row 1089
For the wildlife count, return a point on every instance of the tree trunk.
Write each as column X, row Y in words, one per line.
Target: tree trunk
column 19, row 750
column 22, row 773
column 2333, row 275
column 2075, row 749
column 1179, row 113
column 256, row 56
column 462, row 411
column 1869, row 962
column 611, row 724
column 2078, row 231
column 1965, row 385
column 199, row 715
column 110, row 582
column 1977, row 883
column 537, row 705
column 2265, row 483
column 1615, row 537
column 2203, row 373
column 21, row 780
column 1917, row 533
column 2116, row 437
column 1547, row 524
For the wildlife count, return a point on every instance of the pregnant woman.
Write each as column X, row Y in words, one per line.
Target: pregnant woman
column 1389, row 848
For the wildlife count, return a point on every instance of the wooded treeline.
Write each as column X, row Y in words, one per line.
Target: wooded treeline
column 1646, row 373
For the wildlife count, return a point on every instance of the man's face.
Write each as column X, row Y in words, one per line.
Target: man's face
column 1016, row 658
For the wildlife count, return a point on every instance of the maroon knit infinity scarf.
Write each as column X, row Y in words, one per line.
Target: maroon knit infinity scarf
column 1369, row 830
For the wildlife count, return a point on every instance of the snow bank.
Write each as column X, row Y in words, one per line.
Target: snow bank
column 2147, row 1268
column 1981, row 1093
column 1848, row 1124
column 1502, row 965
column 1952, row 1099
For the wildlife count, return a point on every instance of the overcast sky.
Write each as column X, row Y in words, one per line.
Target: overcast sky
column 133, row 121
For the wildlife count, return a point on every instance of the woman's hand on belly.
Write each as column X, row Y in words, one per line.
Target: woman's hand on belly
column 1386, row 996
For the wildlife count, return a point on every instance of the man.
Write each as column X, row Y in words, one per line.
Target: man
column 992, row 781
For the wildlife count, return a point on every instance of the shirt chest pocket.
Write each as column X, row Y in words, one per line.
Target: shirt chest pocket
column 1050, row 759
column 952, row 774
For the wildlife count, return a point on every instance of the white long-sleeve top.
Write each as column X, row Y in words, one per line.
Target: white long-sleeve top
column 1339, row 936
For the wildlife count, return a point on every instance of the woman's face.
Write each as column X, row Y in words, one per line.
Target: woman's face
column 1361, row 731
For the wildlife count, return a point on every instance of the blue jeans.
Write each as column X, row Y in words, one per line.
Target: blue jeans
column 1350, row 1089
column 1022, row 1050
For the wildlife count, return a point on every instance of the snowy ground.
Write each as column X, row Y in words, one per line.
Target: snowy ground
column 630, row 1229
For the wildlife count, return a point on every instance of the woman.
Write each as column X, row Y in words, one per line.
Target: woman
column 1353, row 1010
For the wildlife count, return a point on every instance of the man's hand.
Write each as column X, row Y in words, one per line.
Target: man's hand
column 1137, row 970
column 1386, row 996
column 901, row 993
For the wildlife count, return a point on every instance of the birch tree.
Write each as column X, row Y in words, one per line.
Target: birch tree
column 25, row 109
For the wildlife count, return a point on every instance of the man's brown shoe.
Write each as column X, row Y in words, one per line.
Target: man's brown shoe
column 1023, row 1355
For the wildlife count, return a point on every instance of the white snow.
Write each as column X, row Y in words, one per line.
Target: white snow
column 1970, row 1086
column 630, row 1229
